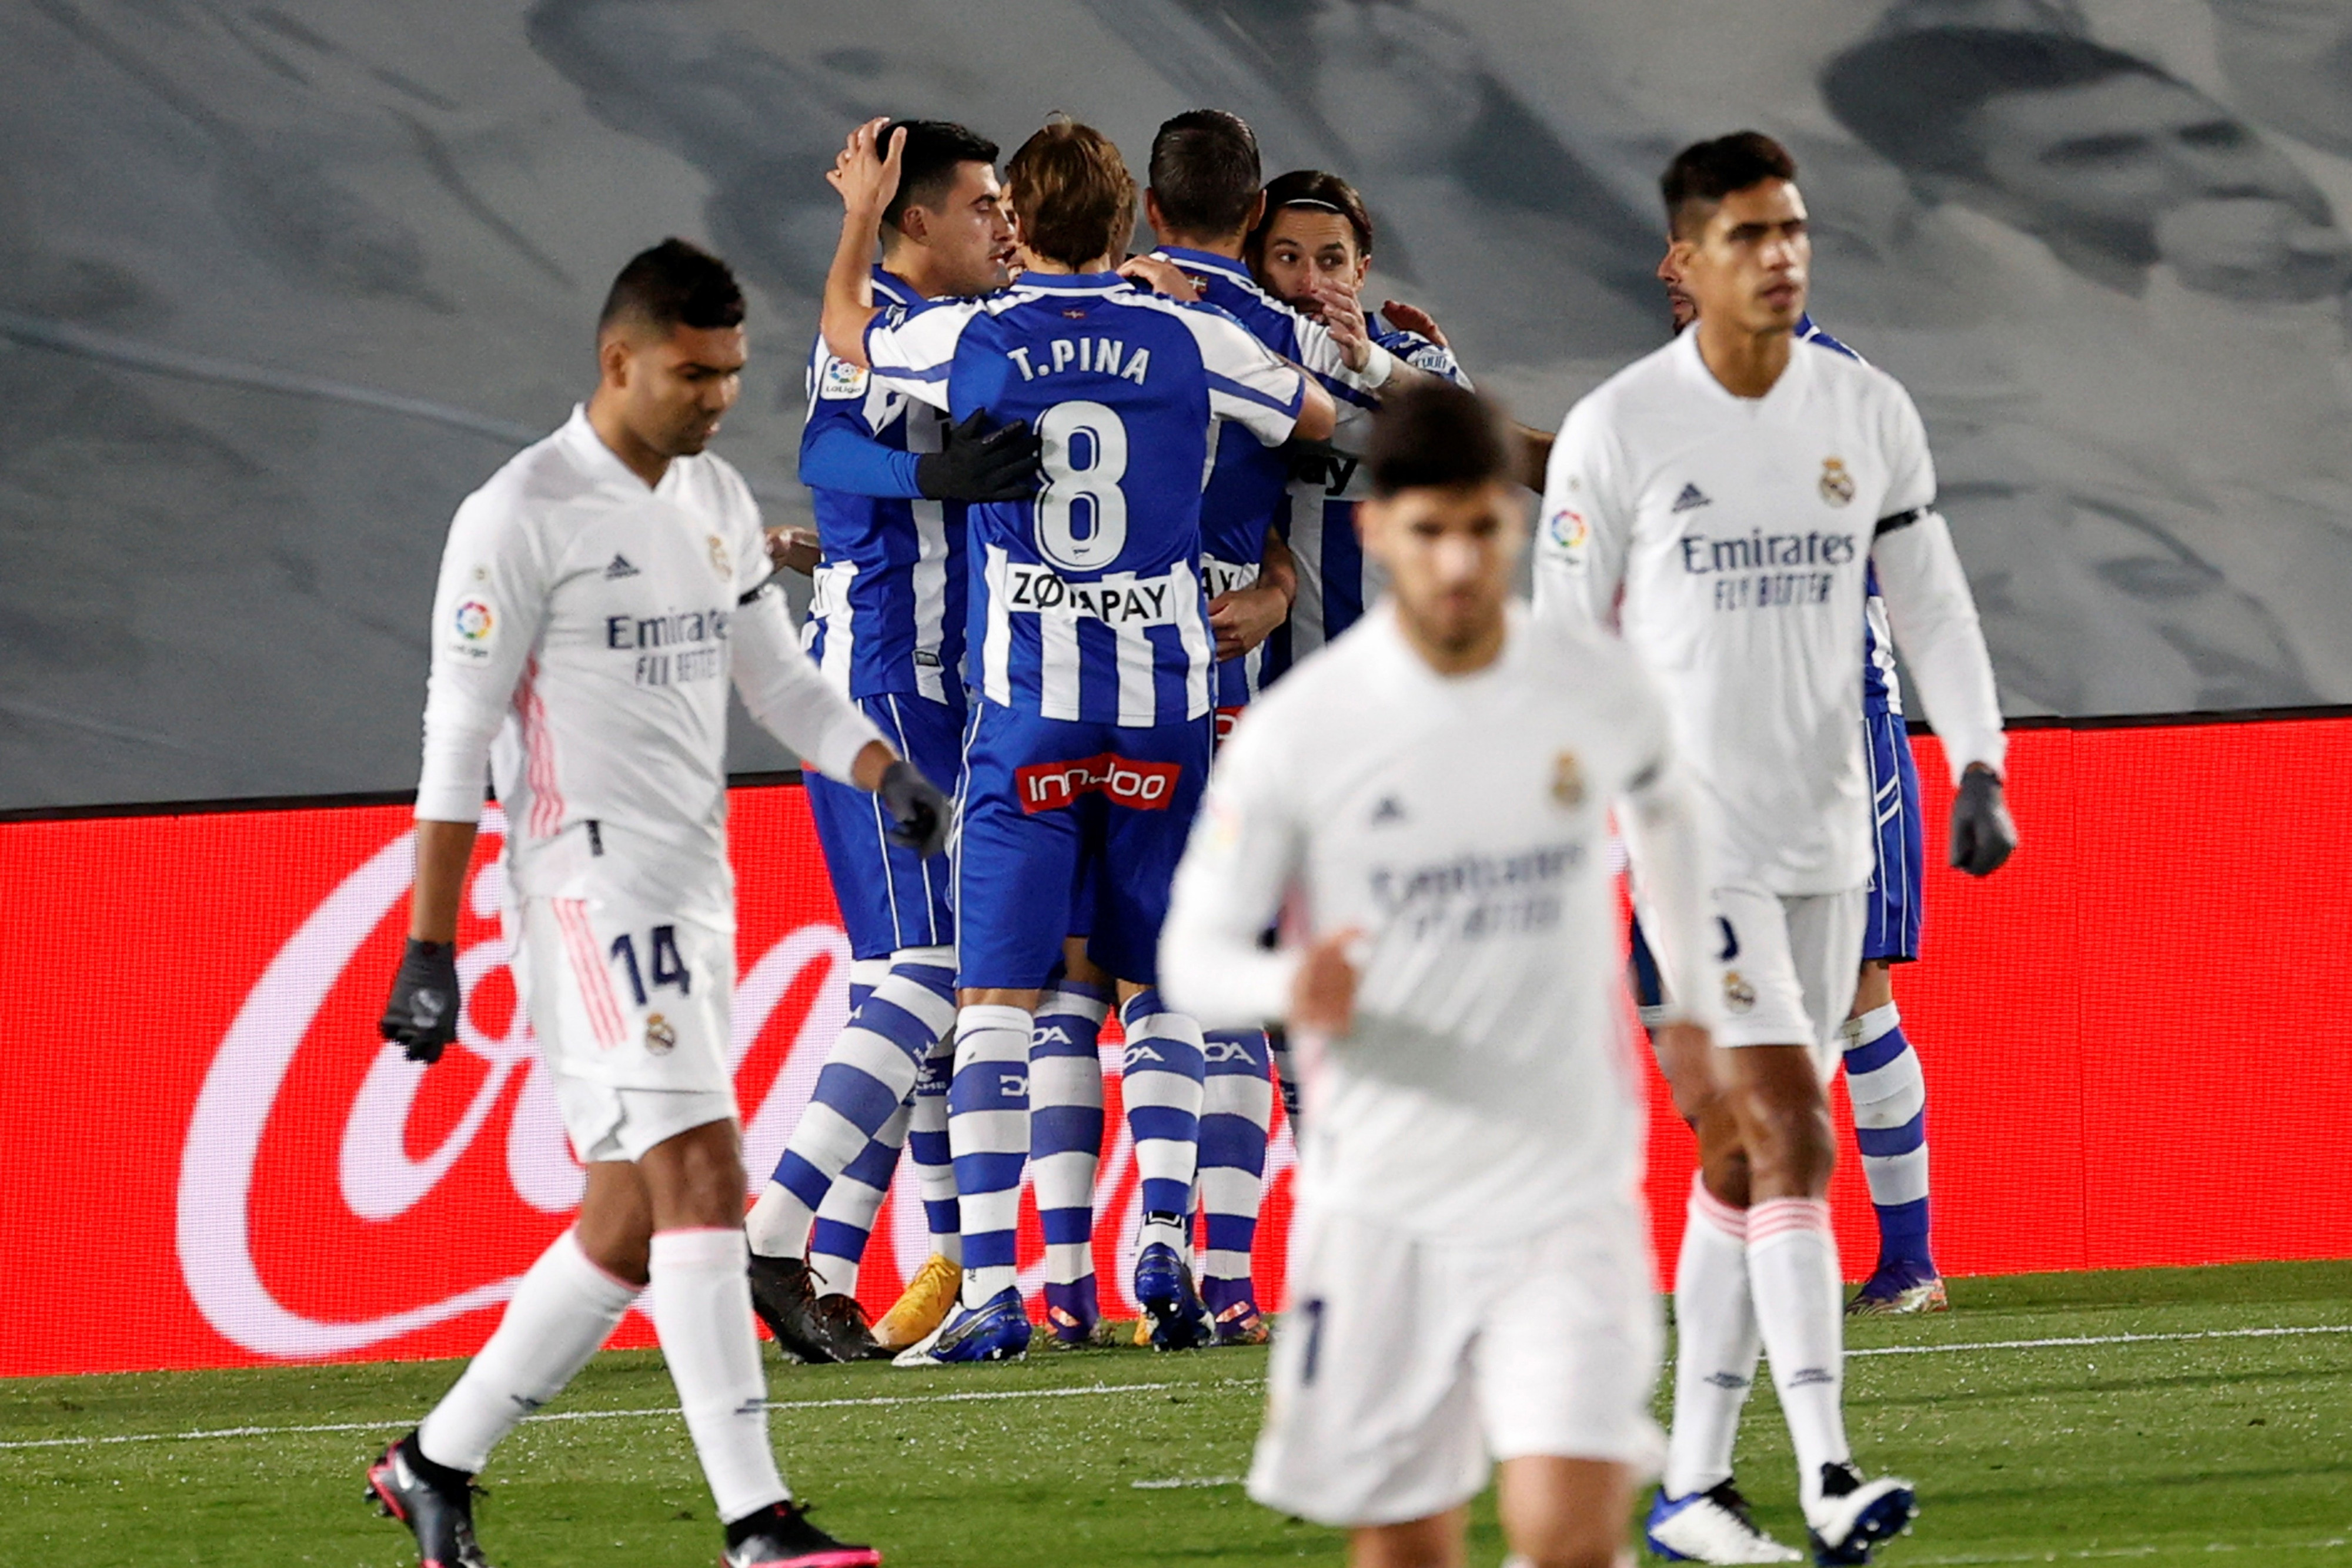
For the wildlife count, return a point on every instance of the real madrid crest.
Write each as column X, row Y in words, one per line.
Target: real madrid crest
column 1837, row 485
column 1738, row 996
column 661, row 1035
column 718, row 555
column 1568, row 780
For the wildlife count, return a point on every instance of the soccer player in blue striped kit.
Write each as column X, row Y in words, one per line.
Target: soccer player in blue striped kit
column 1204, row 198
column 890, row 477
column 1092, row 652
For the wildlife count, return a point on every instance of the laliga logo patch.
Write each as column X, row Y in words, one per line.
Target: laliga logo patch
column 661, row 1035
column 1837, row 485
column 475, row 621
column 718, row 562
column 1738, row 994
column 843, row 381
column 1567, row 528
column 1568, row 780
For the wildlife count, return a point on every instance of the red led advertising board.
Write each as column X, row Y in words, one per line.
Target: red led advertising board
column 2134, row 1051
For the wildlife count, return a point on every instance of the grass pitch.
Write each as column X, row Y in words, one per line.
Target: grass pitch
column 2160, row 1414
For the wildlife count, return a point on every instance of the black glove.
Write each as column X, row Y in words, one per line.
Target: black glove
column 978, row 465
column 1983, row 832
column 422, row 1016
column 917, row 808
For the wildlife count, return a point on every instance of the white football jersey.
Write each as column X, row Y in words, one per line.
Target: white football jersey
column 1462, row 824
column 585, row 634
column 1728, row 540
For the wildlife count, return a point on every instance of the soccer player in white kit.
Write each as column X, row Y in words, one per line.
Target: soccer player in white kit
column 1718, row 504
column 596, row 596
column 1428, row 799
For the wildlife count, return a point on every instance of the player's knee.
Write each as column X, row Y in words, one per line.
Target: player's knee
column 1787, row 1142
column 1726, row 1175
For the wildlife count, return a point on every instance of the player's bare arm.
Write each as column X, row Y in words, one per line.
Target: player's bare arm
column 866, row 178
column 1243, row 618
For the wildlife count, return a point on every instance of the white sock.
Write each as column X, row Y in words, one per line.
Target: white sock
column 778, row 1223
column 1716, row 1343
column 1792, row 1268
column 702, row 1315
column 561, row 1315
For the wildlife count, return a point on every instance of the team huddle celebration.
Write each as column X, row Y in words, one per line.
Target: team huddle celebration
column 1172, row 656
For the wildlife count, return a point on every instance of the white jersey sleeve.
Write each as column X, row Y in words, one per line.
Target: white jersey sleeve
column 1662, row 815
column 784, row 690
column 914, row 352
column 1934, row 618
column 1928, row 605
column 1249, row 383
column 1247, row 846
column 487, row 614
column 1587, row 524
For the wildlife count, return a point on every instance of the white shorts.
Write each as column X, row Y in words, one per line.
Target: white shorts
column 1402, row 1367
column 631, row 1009
column 1791, row 977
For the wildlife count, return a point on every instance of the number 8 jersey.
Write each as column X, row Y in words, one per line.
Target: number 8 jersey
column 1086, row 602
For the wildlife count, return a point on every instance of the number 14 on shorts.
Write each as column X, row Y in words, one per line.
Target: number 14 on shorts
column 669, row 968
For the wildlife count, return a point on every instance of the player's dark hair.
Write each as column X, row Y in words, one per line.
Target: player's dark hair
column 1704, row 172
column 1071, row 193
column 935, row 150
column 1316, row 190
column 676, row 284
column 1435, row 433
column 1910, row 97
column 1205, row 172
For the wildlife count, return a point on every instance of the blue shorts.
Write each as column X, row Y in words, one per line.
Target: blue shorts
column 890, row 897
column 1069, row 827
column 1892, row 912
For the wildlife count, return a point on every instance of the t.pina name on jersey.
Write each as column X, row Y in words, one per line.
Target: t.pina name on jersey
column 1097, row 356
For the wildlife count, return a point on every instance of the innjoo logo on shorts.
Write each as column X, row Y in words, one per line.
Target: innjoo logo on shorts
column 1140, row 786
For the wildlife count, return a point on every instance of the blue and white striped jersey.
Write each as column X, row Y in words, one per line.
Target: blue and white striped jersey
column 1882, row 688
column 1248, row 486
column 1325, row 485
column 1086, row 602
column 888, row 617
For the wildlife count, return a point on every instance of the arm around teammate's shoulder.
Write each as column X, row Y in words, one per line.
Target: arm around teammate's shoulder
column 1245, row 849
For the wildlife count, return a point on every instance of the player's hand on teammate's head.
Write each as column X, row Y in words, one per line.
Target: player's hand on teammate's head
column 1161, row 276
column 866, row 172
column 975, row 462
column 1983, row 832
column 1413, row 318
column 1323, row 991
column 421, row 1017
column 919, row 813
column 1343, row 314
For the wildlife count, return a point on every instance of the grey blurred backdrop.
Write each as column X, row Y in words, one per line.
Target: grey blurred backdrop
column 280, row 283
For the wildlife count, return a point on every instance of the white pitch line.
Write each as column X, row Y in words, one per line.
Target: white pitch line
column 2334, row 1543
column 1094, row 1388
column 1175, row 1483
column 671, row 1410
column 2100, row 1339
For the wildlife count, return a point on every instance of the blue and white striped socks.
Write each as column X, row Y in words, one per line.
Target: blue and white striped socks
column 844, row 1220
column 988, row 1129
column 1890, row 1124
column 1065, row 1128
column 1160, row 1082
column 870, row 1073
column 1236, row 1110
column 926, row 1140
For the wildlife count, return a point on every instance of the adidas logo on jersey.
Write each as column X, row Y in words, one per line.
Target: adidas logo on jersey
column 1691, row 497
column 1389, row 809
column 620, row 567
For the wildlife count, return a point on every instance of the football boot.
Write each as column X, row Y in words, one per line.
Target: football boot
column 1899, row 1290
column 780, row 1536
column 783, row 1293
column 1163, row 1289
column 922, row 1306
column 436, row 1502
column 1854, row 1515
column 1712, row 1526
